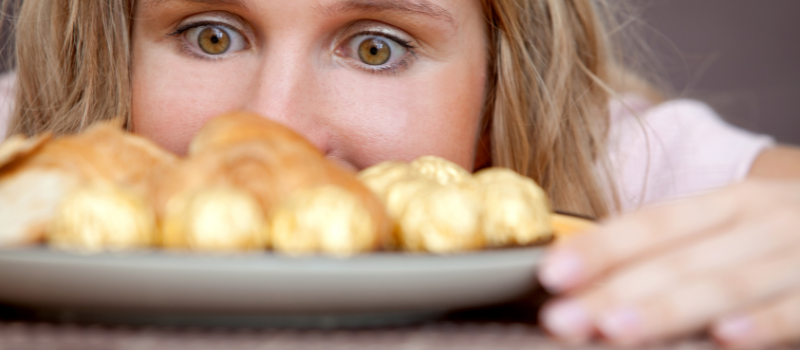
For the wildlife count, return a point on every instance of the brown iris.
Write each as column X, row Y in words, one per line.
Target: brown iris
column 214, row 41
column 374, row 51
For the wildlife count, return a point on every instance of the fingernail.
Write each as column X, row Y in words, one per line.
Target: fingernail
column 736, row 329
column 567, row 320
column 560, row 270
column 621, row 325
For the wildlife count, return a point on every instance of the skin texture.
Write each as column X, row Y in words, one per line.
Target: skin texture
column 298, row 69
column 725, row 262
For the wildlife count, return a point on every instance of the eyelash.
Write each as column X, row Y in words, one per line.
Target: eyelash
column 393, row 69
column 396, row 67
column 187, row 49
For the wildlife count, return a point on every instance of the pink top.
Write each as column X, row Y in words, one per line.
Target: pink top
column 7, row 92
column 675, row 149
column 657, row 153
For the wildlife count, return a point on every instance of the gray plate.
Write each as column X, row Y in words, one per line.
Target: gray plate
column 263, row 288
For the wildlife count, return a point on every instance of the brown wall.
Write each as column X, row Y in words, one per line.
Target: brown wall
column 741, row 56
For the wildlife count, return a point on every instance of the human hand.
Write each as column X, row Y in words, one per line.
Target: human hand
column 728, row 262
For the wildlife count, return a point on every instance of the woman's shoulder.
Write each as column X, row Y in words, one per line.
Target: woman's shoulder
column 675, row 149
column 8, row 81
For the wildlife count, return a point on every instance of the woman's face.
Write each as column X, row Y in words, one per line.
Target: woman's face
column 364, row 80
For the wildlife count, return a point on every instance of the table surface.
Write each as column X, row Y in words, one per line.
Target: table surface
column 504, row 327
column 435, row 335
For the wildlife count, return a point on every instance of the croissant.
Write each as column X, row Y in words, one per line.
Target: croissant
column 27, row 202
column 216, row 219
column 266, row 159
column 102, row 217
column 238, row 127
column 18, row 146
column 38, row 174
column 103, row 153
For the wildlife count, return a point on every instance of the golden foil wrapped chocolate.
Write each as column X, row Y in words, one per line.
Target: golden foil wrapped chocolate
column 439, row 207
column 220, row 219
column 396, row 198
column 516, row 210
column 327, row 219
column 429, row 208
column 442, row 220
column 102, row 217
column 440, row 170
column 380, row 177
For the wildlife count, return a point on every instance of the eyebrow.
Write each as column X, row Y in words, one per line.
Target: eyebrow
column 422, row 7
column 235, row 3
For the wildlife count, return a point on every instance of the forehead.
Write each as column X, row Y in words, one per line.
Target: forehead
column 436, row 9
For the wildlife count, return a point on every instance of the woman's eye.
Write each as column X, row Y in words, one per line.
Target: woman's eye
column 375, row 50
column 215, row 39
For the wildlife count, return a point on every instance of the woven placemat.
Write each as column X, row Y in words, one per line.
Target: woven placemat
column 436, row 335
column 508, row 326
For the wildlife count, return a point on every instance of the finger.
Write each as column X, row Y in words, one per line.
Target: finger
column 693, row 305
column 774, row 324
column 731, row 251
column 568, row 320
column 575, row 261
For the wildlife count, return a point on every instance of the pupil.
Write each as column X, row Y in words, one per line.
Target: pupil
column 214, row 41
column 374, row 51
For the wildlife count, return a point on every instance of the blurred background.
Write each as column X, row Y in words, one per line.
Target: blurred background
column 740, row 56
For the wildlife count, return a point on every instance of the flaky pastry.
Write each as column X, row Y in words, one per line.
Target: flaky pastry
column 39, row 173
column 19, row 146
column 102, row 217
column 217, row 219
column 266, row 159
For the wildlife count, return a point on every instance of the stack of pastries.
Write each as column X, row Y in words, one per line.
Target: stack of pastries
column 249, row 184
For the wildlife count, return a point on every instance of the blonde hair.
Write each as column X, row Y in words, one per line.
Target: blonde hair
column 553, row 71
column 72, row 63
